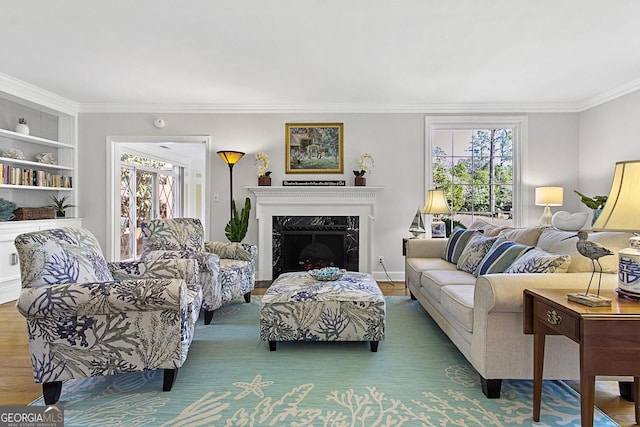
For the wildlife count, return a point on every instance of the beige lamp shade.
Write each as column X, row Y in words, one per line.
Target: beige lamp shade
column 436, row 203
column 549, row 196
column 622, row 210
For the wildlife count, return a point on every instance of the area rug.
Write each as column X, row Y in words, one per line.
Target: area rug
column 230, row 378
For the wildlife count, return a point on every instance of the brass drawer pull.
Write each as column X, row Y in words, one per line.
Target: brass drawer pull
column 554, row 318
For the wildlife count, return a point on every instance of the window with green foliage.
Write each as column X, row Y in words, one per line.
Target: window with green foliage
column 475, row 167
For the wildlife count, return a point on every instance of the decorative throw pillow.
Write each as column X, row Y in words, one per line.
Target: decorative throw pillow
column 456, row 244
column 501, row 255
column 473, row 253
column 538, row 261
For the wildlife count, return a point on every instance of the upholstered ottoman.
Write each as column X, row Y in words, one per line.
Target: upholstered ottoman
column 297, row 307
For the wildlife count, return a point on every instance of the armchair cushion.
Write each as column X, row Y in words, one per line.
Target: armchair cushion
column 206, row 261
column 186, row 269
column 178, row 234
column 58, row 256
column 231, row 250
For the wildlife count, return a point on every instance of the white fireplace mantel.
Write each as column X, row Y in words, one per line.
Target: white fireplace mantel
column 313, row 201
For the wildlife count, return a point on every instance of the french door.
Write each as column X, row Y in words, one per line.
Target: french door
column 149, row 189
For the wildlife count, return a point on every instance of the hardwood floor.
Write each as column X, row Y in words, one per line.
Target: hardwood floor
column 17, row 386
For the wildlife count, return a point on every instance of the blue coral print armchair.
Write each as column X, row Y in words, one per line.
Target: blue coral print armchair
column 227, row 270
column 86, row 317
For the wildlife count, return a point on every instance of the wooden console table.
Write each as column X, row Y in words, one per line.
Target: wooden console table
column 609, row 339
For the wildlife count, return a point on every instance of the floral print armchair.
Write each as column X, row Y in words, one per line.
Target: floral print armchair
column 227, row 270
column 87, row 318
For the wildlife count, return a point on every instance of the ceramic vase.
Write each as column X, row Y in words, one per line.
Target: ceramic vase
column 22, row 127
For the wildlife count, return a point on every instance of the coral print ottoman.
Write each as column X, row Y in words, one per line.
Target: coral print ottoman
column 296, row 307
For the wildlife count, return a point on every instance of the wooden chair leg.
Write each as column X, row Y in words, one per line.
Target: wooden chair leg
column 247, row 297
column 51, row 392
column 170, row 376
column 208, row 316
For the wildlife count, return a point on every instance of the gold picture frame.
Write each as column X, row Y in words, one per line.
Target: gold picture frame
column 314, row 148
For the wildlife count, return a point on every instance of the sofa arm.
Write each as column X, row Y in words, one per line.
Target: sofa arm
column 206, row 261
column 503, row 292
column 186, row 269
column 426, row 248
column 81, row 299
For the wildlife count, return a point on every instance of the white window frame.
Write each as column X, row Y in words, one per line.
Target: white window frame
column 518, row 125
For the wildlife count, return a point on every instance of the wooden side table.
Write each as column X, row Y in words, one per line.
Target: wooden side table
column 609, row 339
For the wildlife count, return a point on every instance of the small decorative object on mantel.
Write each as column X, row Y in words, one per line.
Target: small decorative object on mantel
column 365, row 164
column 6, row 210
column 60, row 205
column 264, row 178
column 13, row 153
column 594, row 252
column 312, row 183
column 22, row 127
column 47, row 159
column 595, row 203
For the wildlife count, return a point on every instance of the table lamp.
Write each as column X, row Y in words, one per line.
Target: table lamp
column 435, row 205
column 548, row 196
column 622, row 213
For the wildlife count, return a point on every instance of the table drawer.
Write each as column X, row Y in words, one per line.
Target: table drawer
column 557, row 319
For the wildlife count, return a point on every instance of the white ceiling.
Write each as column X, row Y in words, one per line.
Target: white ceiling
column 334, row 55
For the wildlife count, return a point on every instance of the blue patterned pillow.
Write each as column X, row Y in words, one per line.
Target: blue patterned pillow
column 474, row 252
column 456, row 244
column 501, row 255
column 539, row 261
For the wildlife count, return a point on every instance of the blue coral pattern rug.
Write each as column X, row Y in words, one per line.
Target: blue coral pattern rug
column 230, row 378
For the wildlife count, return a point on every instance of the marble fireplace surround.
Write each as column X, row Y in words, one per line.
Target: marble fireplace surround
column 313, row 201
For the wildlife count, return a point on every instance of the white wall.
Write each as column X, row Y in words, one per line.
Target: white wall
column 608, row 134
column 396, row 141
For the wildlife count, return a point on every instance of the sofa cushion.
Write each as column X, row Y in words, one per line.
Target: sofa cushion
column 527, row 236
column 434, row 280
column 538, row 261
column 488, row 228
column 474, row 252
column 457, row 242
column 457, row 301
column 501, row 255
column 552, row 241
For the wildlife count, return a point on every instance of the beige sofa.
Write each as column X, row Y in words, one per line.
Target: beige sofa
column 483, row 315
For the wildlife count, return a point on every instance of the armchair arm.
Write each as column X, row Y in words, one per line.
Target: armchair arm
column 186, row 269
column 206, row 261
column 79, row 299
column 233, row 250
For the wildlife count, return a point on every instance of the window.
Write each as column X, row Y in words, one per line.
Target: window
column 476, row 162
column 149, row 189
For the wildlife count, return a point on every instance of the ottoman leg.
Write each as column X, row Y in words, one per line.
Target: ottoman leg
column 374, row 346
column 272, row 345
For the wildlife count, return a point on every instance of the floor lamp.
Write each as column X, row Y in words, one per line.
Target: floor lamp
column 230, row 158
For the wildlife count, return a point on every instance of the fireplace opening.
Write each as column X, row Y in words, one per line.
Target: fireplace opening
column 305, row 243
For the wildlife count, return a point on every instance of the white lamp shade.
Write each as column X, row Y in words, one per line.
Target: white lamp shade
column 549, row 196
column 622, row 210
column 436, row 203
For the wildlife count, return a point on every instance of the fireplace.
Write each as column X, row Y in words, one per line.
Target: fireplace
column 308, row 242
column 299, row 201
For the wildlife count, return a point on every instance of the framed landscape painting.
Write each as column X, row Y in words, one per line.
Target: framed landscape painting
column 314, row 148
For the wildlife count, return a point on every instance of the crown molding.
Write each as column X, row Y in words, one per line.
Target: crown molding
column 331, row 108
column 610, row 95
column 23, row 91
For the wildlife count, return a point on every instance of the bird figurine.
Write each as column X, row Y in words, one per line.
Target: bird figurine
column 592, row 250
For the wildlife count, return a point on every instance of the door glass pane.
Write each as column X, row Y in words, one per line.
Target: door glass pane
column 125, row 213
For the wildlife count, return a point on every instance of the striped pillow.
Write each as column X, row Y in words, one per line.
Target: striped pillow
column 501, row 255
column 456, row 244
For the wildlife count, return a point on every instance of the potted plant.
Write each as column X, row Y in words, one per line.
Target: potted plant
column 236, row 228
column 262, row 160
column 60, row 205
column 365, row 164
column 595, row 203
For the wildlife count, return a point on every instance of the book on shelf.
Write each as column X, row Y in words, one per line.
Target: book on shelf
column 12, row 175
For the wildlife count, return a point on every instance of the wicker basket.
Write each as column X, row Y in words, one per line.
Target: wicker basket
column 34, row 213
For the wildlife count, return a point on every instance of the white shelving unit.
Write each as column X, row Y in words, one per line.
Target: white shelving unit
column 53, row 129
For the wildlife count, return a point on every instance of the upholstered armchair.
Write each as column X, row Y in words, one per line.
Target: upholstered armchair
column 227, row 270
column 84, row 322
